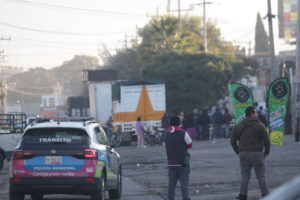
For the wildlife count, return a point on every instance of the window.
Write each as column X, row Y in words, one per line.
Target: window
column 56, row 136
column 100, row 136
column 51, row 101
column 45, row 102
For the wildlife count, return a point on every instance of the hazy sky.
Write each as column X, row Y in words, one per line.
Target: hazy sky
column 48, row 32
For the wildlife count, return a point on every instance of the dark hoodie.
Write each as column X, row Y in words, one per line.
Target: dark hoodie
column 250, row 135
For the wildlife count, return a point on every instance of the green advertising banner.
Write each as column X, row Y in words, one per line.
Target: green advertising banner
column 241, row 98
column 277, row 99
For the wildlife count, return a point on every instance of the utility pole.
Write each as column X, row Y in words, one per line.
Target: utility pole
column 3, row 87
column 274, row 66
column 204, row 27
column 179, row 9
column 297, row 84
column 204, row 37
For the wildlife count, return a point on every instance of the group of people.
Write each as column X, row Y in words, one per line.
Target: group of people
column 198, row 124
column 249, row 140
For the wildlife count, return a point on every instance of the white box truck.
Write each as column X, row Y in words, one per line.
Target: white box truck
column 125, row 101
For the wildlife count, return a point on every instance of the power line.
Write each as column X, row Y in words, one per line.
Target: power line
column 83, row 10
column 57, row 42
column 52, row 32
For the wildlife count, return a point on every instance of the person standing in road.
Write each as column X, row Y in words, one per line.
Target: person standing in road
column 204, row 125
column 109, row 129
column 177, row 143
column 251, row 143
column 195, row 122
column 262, row 116
column 217, row 124
column 139, row 128
column 226, row 121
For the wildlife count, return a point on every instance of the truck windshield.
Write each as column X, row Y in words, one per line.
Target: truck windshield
column 56, row 136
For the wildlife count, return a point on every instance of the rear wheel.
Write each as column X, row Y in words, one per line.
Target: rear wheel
column 100, row 193
column 117, row 193
column 36, row 196
column 16, row 196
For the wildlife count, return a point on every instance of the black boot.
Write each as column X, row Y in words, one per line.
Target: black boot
column 242, row 197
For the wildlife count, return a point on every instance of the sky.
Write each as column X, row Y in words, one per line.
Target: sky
column 48, row 32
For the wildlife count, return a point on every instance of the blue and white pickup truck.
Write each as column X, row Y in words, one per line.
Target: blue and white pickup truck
column 8, row 142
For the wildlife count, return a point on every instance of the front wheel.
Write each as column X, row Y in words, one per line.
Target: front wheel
column 100, row 193
column 117, row 193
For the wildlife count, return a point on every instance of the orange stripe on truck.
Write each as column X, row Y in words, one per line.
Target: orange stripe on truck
column 144, row 109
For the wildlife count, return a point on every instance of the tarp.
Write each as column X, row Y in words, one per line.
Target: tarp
column 241, row 98
column 277, row 99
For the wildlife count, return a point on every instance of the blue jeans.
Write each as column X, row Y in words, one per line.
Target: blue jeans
column 183, row 174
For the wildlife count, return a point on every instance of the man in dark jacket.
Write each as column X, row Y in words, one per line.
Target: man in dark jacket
column 251, row 143
column 177, row 143
column 204, row 125
column 217, row 123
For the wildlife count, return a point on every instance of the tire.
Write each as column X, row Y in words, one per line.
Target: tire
column 16, row 196
column 117, row 193
column 1, row 162
column 36, row 196
column 100, row 193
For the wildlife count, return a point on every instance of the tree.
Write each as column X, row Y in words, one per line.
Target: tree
column 163, row 35
column 262, row 46
column 30, row 85
column 34, row 83
column 243, row 67
column 192, row 80
column 70, row 73
column 127, row 62
column 166, row 34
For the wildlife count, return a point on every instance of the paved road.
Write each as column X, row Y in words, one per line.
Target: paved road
column 215, row 173
column 131, row 191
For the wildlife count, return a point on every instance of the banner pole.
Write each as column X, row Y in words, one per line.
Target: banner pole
column 297, row 85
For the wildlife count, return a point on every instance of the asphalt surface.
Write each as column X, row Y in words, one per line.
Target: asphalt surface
column 131, row 190
column 215, row 172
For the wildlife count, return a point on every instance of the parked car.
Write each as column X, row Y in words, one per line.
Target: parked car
column 65, row 158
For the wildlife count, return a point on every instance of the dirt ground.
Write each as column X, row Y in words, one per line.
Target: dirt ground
column 215, row 172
